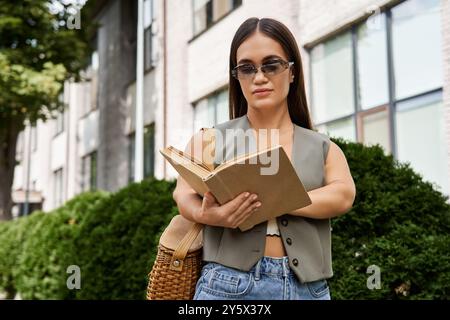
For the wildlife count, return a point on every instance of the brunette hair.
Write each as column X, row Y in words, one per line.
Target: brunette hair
column 297, row 105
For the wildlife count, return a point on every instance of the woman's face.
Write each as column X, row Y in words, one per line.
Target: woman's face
column 256, row 50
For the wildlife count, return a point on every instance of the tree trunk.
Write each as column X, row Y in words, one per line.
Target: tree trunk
column 8, row 142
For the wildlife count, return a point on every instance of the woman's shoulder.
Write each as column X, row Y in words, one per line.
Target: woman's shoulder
column 314, row 134
column 232, row 123
column 317, row 138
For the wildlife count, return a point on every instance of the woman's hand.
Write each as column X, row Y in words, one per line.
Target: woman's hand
column 230, row 214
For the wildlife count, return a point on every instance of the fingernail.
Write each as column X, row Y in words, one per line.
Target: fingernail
column 258, row 204
column 254, row 197
column 246, row 194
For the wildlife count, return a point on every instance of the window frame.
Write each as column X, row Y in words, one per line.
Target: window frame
column 236, row 4
column 214, row 96
column 358, row 112
column 92, row 182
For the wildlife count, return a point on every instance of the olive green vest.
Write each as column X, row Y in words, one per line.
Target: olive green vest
column 307, row 241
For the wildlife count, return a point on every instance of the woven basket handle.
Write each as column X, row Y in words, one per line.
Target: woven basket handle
column 181, row 251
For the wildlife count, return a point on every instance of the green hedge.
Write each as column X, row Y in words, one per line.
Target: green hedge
column 112, row 238
column 398, row 222
column 49, row 248
column 116, row 244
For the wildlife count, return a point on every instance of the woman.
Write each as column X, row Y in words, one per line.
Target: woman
column 288, row 257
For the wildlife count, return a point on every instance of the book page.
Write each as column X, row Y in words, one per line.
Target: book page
column 189, row 158
column 242, row 158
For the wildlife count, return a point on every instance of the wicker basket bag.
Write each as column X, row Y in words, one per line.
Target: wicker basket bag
column 178, row 263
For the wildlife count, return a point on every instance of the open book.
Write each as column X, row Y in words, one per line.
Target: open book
column 276, row 183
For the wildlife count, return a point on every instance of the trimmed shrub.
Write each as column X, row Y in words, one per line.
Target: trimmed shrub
column 48, row 249
column 116, row 244
column 12, row 238
column 399, row 223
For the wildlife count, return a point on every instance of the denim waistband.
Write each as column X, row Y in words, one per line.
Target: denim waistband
column 272, row 265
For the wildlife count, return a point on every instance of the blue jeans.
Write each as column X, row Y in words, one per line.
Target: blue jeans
column 269, row 279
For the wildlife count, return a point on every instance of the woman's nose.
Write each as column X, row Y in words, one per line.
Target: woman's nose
column 259, row 76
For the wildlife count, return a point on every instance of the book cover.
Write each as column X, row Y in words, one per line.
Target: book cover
column 268, row 173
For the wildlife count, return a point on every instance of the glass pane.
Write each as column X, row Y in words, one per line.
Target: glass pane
column 332, row 79
column 149, row 152
column 222, row 107
column 93, row 173
column 131, row 158
column 148, row 14
column 200, row 15
column 372, row 63
column 220, row 8
column 417, row 46
column 342, row 128
column 421, row 140
column 375, row 128
column 203, row 115
column 147, row 48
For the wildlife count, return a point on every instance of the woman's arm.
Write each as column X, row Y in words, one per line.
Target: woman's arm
column 207, row 210
column 338, row 194
column 188, row 201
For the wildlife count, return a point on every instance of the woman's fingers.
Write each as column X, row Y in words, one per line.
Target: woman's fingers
column 244, row 205
column 233, row 205
column 243, row 216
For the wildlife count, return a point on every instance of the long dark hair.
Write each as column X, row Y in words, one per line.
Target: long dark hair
column 297, row 104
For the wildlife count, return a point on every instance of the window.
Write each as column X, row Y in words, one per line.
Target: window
column 375, row 128
column 417, row 47
column 131, row 139
column 420, row 131
column 149, row 153
column 149, row 39
column 148, row 35
column 372, row 64
column 89, row 172
column 332, row 79
column 207, row 12
column 58, row 187
column 93, row 92
column 382, row 84
column 211, row 110
column 343, row 128
column 89, row 87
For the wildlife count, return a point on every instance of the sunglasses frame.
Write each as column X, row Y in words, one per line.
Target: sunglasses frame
column 234, row 72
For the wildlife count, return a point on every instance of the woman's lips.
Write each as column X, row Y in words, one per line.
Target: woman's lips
column 262, row 93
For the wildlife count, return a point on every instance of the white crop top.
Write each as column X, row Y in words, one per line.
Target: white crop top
column 272, row 227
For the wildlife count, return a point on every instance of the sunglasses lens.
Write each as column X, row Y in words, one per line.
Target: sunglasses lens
column 272, row 68
column 249, row 70
column 246, row 70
